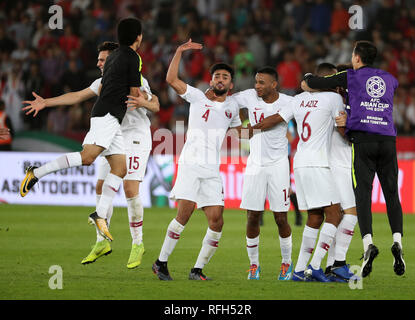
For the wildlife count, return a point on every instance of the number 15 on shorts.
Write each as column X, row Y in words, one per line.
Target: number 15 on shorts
column 133, row 163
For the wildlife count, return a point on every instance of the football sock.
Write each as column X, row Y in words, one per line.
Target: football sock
column 209, row 247
column 344, row 236
column 109, row 215
column 307, row 247
column 397, row 237
column 327, row 234
column 172, row 236
column 331, row 253
column 109, row 190
column 135, row 218
column 367, row 240
column 286, row 249
column 68, row 160
column 252, row 247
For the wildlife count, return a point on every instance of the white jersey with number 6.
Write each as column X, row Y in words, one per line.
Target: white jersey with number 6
column 314, row 113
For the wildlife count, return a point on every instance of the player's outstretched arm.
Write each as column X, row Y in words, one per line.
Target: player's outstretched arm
column 152, row 105
column 337, row 80
column 268, row 122
column 172, row 76
column 70, row 98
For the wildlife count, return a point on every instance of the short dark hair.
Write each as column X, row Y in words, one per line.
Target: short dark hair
column 325, row 68
column 269, row 70
column 366, row 50
column 128, row 30
column 222, row 66
column 107, row 46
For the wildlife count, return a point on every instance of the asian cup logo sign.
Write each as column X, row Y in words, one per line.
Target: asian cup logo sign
column 375, row 87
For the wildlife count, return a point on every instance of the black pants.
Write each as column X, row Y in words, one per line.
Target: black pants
column 370, row 158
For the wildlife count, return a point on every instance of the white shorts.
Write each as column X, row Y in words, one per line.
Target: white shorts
column 106, row 132
column 315, row 188
column 344, row 183
column 136, row 165
column 200, row 185
column 262, row 182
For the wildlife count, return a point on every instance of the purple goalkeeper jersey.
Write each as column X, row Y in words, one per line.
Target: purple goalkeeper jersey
column 370, row 93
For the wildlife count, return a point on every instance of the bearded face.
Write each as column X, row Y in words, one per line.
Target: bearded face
column 221, row 82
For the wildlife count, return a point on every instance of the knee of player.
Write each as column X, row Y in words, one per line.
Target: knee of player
column 216, row 224
column 253, row 217
column 280, row 219
column 130, row 192
column 87, row 160
column 121, row 171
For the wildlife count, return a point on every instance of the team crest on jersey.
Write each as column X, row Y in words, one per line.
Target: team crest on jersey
column 228, row 113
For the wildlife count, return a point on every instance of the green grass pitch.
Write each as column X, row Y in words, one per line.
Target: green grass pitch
column 34, row 238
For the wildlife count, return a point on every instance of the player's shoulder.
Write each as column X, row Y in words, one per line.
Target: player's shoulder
column 302, row 95
column 232, row 101
column 330, row 95
column 285, row 98
column 245, row 94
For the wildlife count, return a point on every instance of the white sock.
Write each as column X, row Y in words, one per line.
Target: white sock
column 327, row 234
column 68, row 160
column 252, row 247
column 209, row 246
column 109, row 189
column 109, row 215
column 135, row 218
column 99, row 236
column 307, row 247
column 344, row 236
column 286, row 249
column 331, row 253
column 172, row 236
column 367, row 240
column 397, row 237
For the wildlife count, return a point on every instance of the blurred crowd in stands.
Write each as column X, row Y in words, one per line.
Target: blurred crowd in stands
column 292, row 36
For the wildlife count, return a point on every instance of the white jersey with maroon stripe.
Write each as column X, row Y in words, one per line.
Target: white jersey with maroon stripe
column 315, row 114
column 267, row 147
column 208, row 123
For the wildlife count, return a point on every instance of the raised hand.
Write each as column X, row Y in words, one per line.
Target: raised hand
column 34, row 105
column 189, row 45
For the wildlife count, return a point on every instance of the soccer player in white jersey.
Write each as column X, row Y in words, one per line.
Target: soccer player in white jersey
column 198, row 181
column 267, row 173
column 122, row 76
column 317, row 193
column 135, row 128
column 135, row 123
column 341, row 166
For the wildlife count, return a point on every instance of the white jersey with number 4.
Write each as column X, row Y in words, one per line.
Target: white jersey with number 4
column 208, row 123
column 267, row 147
column 315, row 114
